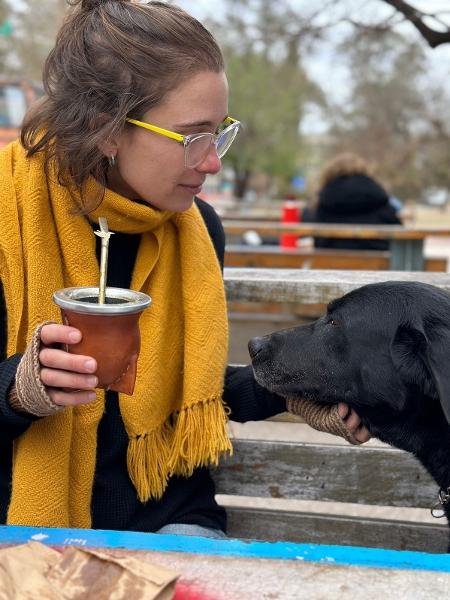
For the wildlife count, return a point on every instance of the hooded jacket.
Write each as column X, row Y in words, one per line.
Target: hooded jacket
column 354, row 199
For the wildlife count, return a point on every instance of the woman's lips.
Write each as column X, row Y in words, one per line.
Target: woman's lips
column 192, row 189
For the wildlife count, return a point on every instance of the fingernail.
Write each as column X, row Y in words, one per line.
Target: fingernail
column 92, row 396
column 342, row 410
column 92, row 381
column 74, row 336
column 90, row 365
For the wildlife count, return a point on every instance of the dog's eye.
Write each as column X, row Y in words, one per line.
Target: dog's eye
column 332, row 322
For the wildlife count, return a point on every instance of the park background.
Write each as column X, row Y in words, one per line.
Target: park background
column 308, row 80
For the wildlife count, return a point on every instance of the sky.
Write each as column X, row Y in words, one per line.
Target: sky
column 322, row 65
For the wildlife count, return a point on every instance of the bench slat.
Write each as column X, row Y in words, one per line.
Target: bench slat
column 312, row 286
column 377, row 476
column 299, row 527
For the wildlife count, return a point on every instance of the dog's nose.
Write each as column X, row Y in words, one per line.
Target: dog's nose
column 255, row 346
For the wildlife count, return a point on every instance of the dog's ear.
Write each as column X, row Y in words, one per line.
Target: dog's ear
column 408, row 349
column 437, row 354
column 423, row 362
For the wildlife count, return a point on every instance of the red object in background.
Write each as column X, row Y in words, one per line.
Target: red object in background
column 291, row 213
column 186, row 591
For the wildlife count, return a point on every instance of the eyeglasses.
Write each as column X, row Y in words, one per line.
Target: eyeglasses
column 198, row 145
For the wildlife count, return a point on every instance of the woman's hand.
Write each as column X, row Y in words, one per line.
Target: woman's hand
column 69, row 379
column 353, row 423
column 337, row 419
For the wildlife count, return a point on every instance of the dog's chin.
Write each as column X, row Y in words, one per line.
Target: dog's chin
column 268, row 379
column 277, row 384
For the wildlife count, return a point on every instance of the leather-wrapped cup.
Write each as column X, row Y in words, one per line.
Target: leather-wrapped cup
column 110, row 331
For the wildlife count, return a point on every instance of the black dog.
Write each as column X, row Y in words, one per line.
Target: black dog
column 384, row 349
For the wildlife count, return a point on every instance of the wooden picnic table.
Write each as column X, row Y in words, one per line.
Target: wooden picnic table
column 405, row 243
column 230, row 569
column 254, row 214
column 308, row 257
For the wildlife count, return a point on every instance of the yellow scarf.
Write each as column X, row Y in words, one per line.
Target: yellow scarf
column 175, row 419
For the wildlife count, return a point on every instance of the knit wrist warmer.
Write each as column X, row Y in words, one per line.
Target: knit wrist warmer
column 28, row 394
column 322, row 418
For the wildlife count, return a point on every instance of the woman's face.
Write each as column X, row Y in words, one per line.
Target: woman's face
column 149, row 166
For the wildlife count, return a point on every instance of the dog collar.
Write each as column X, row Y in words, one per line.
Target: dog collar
column 443, row 499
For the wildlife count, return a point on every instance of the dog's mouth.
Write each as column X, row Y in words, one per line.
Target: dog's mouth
column 288, row 387
column 273, row 381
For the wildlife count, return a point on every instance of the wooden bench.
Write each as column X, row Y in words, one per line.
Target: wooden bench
column 329, row 473
column 405, row 243
column 366, row 475
column 240, row 255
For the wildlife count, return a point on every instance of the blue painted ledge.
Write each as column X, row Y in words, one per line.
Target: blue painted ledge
column 131, row 540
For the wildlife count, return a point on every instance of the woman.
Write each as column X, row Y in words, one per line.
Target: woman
column 134, row 118
column 348, row 193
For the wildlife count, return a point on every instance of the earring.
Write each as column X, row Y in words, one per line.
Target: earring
column 112, row 160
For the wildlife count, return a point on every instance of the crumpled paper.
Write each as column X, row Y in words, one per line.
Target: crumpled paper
column 33, row 570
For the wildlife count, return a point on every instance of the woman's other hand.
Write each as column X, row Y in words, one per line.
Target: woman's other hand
column 353, row 423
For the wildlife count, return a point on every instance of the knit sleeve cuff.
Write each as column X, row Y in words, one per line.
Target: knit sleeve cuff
column 29, row 394
column 320, row 417
column 8, row 416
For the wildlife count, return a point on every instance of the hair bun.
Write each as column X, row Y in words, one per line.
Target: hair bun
column 92, row 4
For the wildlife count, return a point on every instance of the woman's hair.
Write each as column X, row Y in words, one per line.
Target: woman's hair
column 112, row 59
column 346, row 163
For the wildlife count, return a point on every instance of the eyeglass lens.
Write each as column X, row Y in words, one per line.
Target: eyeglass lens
column 198, row 148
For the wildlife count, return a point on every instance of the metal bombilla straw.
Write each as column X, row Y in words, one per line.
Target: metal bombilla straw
column 104, row 234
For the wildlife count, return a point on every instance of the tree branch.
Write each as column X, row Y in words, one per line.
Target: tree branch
column 416, row 17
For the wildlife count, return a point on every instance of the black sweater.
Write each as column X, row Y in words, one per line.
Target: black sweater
column 114, row 501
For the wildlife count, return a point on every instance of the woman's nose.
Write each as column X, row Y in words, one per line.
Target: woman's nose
column 211, row 164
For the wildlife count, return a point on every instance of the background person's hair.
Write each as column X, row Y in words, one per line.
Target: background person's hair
column 343, row 164
column 112, row 59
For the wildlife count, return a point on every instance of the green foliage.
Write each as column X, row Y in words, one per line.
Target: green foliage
column 267, row 97
column 269, row 89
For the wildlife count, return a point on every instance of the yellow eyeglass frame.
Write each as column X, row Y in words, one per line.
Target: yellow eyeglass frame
column 187, row 139
column 184, row 139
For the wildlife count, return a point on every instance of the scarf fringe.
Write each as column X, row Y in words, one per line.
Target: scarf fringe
column 147, row 457
column 198, row 438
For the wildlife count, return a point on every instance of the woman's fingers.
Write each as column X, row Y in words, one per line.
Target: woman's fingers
column 353, row 423
column 74, row 398
column 59, row 334
column 54, row 358
column 56, row 378
column 69, row 378
column 362, row 434
column 58, row 362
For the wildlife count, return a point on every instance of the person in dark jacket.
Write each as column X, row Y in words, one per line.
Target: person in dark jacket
column 348, row 194
column 134, row 118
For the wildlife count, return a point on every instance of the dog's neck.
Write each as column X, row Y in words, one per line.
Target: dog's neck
column 426, row 435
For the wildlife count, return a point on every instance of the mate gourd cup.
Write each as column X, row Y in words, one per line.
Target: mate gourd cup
column 110, row 331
